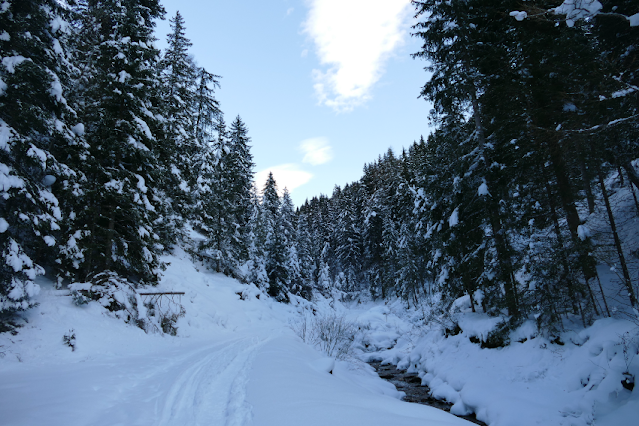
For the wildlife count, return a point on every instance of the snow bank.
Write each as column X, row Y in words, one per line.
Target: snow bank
column 574, row 381
column 286, row 390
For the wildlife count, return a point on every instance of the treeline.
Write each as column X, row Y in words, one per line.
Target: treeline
column 112, row 151
column 531, row 118
column 109, row 148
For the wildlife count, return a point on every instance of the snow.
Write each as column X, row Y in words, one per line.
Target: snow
column 478, row 325
column 58, row 24
column 11, row 62
column 483, row 189
column 625, row 92
column 144, row 127
column 57, row 48
column 6, row 132
column 35, row 152
column 577, row 9
column 583, row 232
column 326, row 365
column 123, row 76
column 453, row 220
column 234, row 362
column 56, row 90
column 48, row 180
column 634, row 20
column 115, row 184
column 530, row 382
column 78, row 129
column 519, row 15
column 285, row 390
column 19, row 291
column 4, row 225
column 8, row 180
column 141, row 183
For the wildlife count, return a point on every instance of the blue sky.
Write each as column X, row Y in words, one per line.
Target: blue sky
column 324, row 86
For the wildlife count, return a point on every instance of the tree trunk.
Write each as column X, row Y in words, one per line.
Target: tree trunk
column 564, row 187
column 495, row 222
column 632, row 173
column 109, row 244
column 560, row 240
column 615, row 234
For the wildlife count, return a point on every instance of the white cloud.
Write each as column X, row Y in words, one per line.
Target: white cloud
column 353, row 39
column 289, row 11
column 316, row 151
column 286, row 175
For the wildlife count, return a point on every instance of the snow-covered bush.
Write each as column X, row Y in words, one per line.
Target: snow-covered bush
column 120, row 297
column 334, row 334
column 330, row 333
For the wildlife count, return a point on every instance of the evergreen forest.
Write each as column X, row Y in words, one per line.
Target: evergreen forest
column 113, row 152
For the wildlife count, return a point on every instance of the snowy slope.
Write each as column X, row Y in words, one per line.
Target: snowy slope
column 234, row 362
column 532, row 382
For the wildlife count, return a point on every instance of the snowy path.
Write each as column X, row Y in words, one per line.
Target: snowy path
column 185, row 386
column 213, row 390
column 236, row 362
column 236, row 382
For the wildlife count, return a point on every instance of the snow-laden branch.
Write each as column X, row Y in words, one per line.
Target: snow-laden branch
column 575, row 10
column 630, row 88
column 593, row 128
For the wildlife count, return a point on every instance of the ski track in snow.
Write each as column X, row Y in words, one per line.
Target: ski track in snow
column 213, row 390
column 188, row 385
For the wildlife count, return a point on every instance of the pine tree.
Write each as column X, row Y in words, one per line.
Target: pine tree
column 215, row 213
column 306, row 263
column 207, row 113
column 294, row 282
column 178, row 147
column 240, row 169
column 226, row 205
column 324, row 282
column 276, row 252
column 256, row 239
column 38, row 134
column 121, row 205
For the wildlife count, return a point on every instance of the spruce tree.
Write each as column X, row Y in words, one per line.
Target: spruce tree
column 276, row 252
column 226, row 205
column 240, row 168
column 178, row 147
column 294, row 282
column 121, row 205
column 38, row 135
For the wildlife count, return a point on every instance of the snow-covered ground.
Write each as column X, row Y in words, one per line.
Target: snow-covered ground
column 576, row 381
column 234, row 362
column 237, row 361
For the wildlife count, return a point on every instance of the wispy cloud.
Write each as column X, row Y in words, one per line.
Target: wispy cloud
column 353, row 40
column 289, row 11
column 289, row 176
column 316, row 151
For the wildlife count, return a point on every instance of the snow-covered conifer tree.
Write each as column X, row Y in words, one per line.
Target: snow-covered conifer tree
column 38, row 134
column 275, row 245
column 121, row 205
